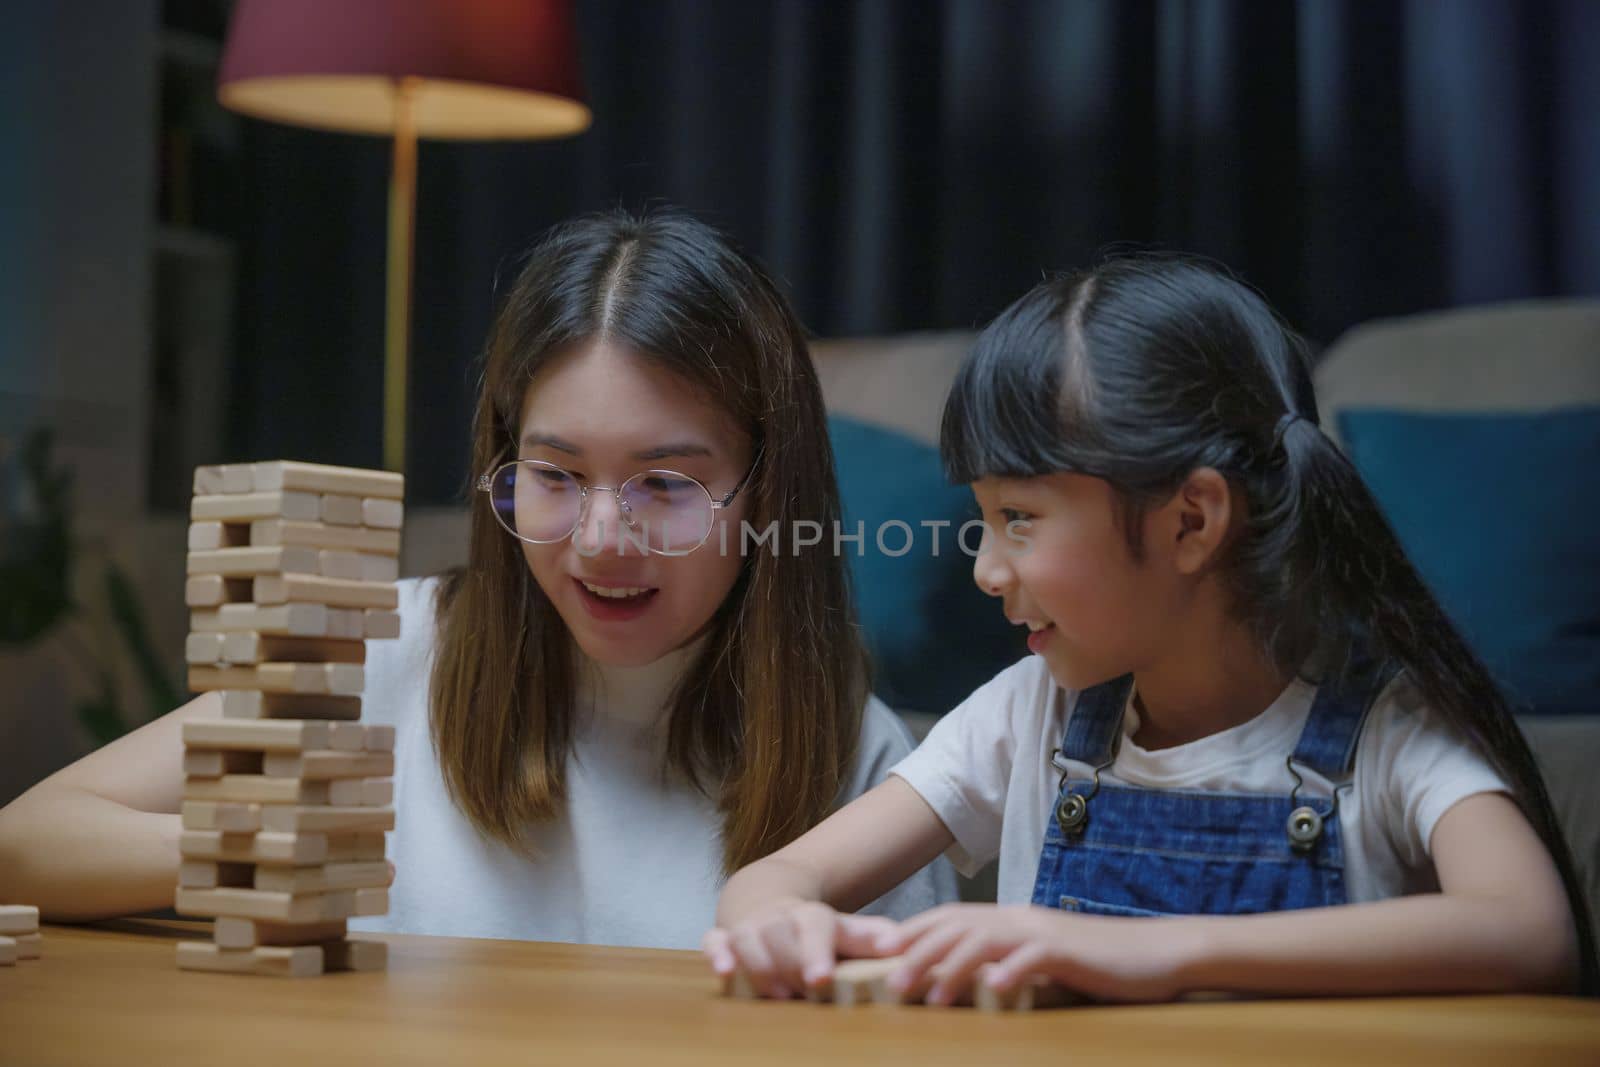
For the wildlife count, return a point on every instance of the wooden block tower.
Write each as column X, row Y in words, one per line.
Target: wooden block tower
column 292, row 567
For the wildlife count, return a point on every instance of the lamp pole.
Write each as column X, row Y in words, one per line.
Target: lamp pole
column 402, row 236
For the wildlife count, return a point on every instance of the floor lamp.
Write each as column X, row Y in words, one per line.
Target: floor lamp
column 439, row 69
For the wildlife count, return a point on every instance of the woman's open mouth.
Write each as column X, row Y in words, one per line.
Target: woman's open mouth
column 614, row 603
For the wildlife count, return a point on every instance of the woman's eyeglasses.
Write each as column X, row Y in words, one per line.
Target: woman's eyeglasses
column 664, row 512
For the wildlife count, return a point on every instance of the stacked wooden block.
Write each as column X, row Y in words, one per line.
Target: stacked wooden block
column 287, row 795
column 19, row 933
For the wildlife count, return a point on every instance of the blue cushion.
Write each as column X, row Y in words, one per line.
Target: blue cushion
column 1500, row 512
column 933, row 635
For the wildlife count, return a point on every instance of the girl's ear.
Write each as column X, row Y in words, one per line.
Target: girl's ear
column 1203, row 512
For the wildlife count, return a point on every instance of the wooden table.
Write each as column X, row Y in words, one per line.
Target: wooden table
column 112, row 994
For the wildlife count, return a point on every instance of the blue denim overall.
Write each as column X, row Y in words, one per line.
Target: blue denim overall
column 1125, row 850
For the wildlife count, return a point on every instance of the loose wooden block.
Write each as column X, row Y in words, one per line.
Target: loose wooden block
column 337, row 679
column 382, row 624
column 222, row 478
column 255, row 904
column 323, row 478
column 18, row 919
column 1033, row 994
column 233, row 932
column 323, row 878
column 864, row 981
column 286, row 736
column 209, row 874
column 384, row 514
column 29, row 946
column 303, row 961
column 224, row 847
column 338, row 510
column 249, row 647
column 321, row 765
column 217, row 815
column 251, row 561
column 241, row 507
column 297, row 818
column 355, row 955
column 208, row 535
column 290, row 620
column 8, row 951
column 255, row 789
column 213, row 590
column 321, row 535
column 214, row 763
column 333, row 592
column 254, row 704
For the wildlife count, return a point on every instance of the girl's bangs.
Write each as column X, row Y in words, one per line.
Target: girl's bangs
column 1004, row 417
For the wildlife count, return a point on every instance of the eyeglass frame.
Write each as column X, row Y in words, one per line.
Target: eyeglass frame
column 485, row 484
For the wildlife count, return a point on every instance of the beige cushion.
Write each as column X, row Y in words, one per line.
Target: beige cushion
column 897, row 382
column 1528, row 356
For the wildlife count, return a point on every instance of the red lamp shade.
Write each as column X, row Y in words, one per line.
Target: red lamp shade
column 476, row 69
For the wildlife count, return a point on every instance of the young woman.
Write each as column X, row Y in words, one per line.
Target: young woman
column 612, row 705
column 1245, row 713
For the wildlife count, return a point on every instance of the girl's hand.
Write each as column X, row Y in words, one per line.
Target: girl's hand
column 1104, row 957
column 792, row 945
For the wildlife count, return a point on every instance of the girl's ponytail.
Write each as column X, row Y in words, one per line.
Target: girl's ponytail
column 1361, row 595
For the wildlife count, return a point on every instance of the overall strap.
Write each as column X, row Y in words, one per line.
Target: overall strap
column 1327, row 744
column 1095, row 722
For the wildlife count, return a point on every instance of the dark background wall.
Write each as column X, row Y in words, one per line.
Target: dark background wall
column 908, row 164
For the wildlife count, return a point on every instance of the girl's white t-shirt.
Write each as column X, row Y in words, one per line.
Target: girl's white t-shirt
column 633, row 859
column 985, row 769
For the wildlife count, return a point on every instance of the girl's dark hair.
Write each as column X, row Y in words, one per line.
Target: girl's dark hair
column 767, row 721
column 1147, row 368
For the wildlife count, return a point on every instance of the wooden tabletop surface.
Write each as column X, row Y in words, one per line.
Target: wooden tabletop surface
column 111, row 993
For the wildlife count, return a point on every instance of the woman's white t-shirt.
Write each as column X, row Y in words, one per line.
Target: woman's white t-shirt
column 985, row 769
column 633, row 859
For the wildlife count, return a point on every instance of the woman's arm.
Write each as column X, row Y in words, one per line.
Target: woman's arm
column 1500, row 922
column 100, row 837
column 777, row 919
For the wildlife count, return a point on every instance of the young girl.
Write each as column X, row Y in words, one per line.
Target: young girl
column 1244, row 708
column 611, row 706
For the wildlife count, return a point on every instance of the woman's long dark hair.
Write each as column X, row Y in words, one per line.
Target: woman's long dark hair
column 767, row 721
column 1147, row 368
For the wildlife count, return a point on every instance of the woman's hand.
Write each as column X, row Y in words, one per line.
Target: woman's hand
column 792, row 945
column 1104, row 957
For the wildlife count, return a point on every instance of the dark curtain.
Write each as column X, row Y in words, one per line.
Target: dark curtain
column 906, row 164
